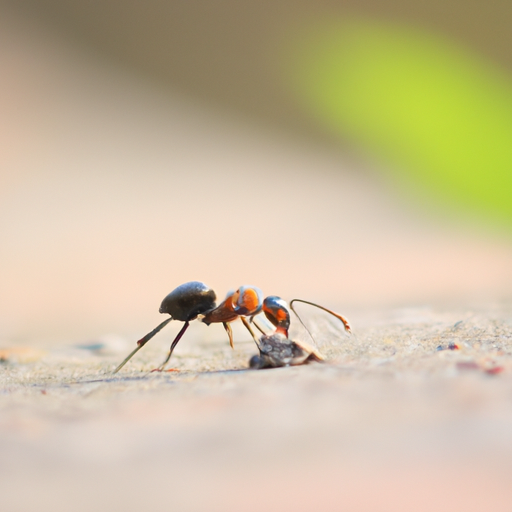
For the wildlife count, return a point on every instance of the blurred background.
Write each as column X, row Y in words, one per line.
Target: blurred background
column 353, row 153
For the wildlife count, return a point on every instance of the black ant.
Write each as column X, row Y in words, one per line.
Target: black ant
column 195, row 300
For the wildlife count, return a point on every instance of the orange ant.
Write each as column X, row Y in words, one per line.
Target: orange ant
column 195, row 300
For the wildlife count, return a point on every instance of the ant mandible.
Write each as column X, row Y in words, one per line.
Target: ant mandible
column 195, row 300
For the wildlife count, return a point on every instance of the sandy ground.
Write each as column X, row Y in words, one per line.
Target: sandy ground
column 396, row 420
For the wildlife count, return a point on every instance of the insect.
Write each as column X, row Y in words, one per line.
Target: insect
column 195, row 300
column 276, row 349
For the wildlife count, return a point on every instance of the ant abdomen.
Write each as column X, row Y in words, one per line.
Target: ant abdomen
column 188, row 300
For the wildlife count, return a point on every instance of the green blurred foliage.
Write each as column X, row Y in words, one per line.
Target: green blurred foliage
column 440, row 117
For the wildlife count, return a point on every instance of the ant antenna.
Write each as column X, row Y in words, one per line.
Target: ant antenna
column 142, row 342
column 339, row 317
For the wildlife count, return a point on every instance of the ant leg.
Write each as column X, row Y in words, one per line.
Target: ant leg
column 253, row 321
column 142, row 342
column 173, row 345
column 227, row 326
column 249, row 328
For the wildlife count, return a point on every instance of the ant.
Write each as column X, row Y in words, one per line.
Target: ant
column 195, row 300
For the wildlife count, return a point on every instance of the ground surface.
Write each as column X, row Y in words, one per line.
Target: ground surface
column 395, row 421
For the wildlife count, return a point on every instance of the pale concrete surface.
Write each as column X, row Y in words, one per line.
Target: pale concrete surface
column 391, row 423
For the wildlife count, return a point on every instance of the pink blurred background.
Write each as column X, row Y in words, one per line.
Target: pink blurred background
column 143, row 147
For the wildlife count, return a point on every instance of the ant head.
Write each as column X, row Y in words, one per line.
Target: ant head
column 247, row 300
column 188, row 300
column 276, row 310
